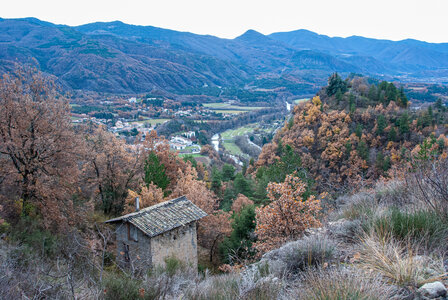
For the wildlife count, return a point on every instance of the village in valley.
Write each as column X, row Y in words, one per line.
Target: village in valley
column 141, row 162
column 132, row 117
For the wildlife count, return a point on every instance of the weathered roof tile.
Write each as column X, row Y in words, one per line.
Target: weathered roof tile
column 163, row 217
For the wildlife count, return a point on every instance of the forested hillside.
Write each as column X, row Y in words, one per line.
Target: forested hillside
column 349, row 201
column 114, row 57
column 355, row 132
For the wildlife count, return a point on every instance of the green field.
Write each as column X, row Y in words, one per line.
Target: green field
column 232, row 147
column 152, row 121
column 228, row 138
column 229, row 111
column 192, row 155
column 227, row 108
column 297, row 101
column 231, row 133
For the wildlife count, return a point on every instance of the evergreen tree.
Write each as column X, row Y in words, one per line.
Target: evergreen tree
column 392, row 135
column 216, row 181
column 348, row 149
column 430, row 115
column 381, row 124
column 242, row 185
column 439, row 104
column 228, row 172
column 373, row 93
column 403, row 123
column 358, row 130
column 351, row 103
column 191, row 159
column 227, row 199
column 387, row 164
column 363, row 151
column 239, row 244
column 379, row 163
column 336, row 83
column 155, row 172
column 338, row 97
column 260, row 194
column 403, row 99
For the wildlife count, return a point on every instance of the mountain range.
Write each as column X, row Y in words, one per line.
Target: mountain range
column 114, row 57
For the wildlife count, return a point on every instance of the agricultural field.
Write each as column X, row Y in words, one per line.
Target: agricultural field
column 297, row 101
column 74, row 118
column 232, row 133
column 228, row 138
column 151, row 121
column 229, row 111
column 232, row 147
column 190, row 154
column 227, row 108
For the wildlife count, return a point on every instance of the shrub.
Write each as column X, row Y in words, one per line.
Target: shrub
column 428, row 183
column 221, row 287
column 426, row 228
column 172, row 264
column 310, row 252
column 345, row 230
column 4, row 226
column 253, row 283
column 30, row 233
column 264, row 290
column 341, row 283
column 288, row 215
column 359, row 206
column 121, row 288
column 392, row 192
column 297, row 256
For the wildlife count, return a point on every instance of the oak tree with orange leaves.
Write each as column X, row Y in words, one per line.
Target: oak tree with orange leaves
column 287, row 216
column 213, row 228
column 38, row 148
column 112, row 169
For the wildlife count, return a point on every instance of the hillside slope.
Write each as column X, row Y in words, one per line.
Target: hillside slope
column 114, row 57
column 353, row 133
column 109, row 64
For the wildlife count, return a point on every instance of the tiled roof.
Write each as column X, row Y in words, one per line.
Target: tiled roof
column 163, row 217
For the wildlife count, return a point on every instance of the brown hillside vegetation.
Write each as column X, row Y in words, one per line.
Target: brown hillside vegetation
column 270, row 231
column 352, row 139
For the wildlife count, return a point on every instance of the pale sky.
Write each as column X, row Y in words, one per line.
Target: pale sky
column 389, row 19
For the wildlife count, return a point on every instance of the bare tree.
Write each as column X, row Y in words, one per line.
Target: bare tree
column 429, row 182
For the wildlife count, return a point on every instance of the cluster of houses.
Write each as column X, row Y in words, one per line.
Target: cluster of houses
column 184, row 143
column 127, row 126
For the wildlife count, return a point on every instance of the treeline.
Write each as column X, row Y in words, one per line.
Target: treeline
column 353, row 132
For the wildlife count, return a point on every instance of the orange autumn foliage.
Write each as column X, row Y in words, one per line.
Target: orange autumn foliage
column 287, row 216
column 214, row 227
column 148, row 196
column 240, row 202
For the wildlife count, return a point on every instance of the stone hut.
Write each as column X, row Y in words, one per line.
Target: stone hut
column 147, row 237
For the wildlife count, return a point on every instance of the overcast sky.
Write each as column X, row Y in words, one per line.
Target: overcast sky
column 390, row 19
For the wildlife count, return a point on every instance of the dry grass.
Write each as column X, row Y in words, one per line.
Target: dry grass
column 358, row 206
column 397, row 262
column 235, row 286
column 341, row 283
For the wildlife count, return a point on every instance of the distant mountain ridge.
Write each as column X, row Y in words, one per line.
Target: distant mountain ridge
column 115, row 57
column 407, row 52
